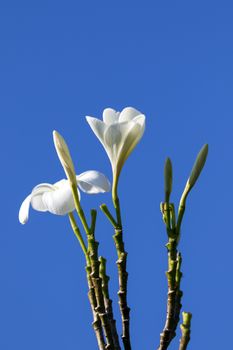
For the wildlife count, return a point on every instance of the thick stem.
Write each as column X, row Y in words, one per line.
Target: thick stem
column 121, row 265
column 96, row 324
column 174, row 295
column 97, row 284
column 108, row 302
column 186, row 331
column 122, row 272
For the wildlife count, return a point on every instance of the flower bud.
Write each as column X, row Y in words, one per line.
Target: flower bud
column 196, row 170
column 167, row 179
column 198, row 165
column 64, row 157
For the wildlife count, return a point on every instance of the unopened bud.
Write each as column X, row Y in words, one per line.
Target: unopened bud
column 64, row 157
column 167, row 179
column 198, row 165
column 196, row 170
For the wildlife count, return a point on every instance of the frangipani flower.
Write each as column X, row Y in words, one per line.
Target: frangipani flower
column 58, row 198
column 119, row 133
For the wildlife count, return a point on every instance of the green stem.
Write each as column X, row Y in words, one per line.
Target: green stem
column 79, row 209
column 116, row 201
column 93, row 220
column 180, row 218
column 186, row 330
column 109, row 216
column 79, row 236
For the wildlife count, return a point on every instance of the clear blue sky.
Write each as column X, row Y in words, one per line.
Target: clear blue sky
column 63, row 60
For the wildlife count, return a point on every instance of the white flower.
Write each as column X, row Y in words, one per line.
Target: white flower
column 58, row 198
column 119, row 133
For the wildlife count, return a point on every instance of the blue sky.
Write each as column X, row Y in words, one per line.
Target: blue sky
column 60, row 61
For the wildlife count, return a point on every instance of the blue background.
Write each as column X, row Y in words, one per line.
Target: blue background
column 63, row 60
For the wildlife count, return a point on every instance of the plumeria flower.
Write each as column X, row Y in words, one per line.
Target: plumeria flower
column 58, row 198
column 119, row 133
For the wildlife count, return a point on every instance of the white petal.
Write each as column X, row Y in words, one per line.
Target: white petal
column 116, row 133
column 60, row 201
column 110, row 116
column 128, row 113
column 98, row 127
column 37, row 196
column 60, row 183
column 93, row 182
column 24, row 210
column 130, row 142
column 114, row 139
column 141, row 120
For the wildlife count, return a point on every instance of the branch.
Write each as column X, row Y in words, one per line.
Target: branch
column 174, row 296
column 122, row 293
column 108, row 302
column 174, row 275
column 91, row 293
column 97, row 284
column 96, row 324
column 122, row 271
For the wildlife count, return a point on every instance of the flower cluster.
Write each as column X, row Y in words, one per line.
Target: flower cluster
column 119, row 133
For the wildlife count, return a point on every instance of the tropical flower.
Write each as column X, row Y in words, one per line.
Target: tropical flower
column 119, row 133
column 58, row 198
